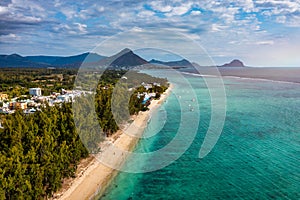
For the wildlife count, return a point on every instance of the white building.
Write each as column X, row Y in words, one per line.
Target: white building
column 147, row 86
column 35, row 91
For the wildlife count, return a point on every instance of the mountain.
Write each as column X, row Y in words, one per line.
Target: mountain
column 179, row 63
column 234, row 63
column 86, row 57
column 43, row 59
column 68, row 61
column 15, row 60
column 126, row 58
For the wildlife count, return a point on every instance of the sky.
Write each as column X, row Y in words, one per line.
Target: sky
column 258, row 32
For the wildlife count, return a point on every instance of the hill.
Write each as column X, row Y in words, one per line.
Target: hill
column 234, row 63
column 126, row 58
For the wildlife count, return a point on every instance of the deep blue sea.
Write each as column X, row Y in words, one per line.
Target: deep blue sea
column 256, row 157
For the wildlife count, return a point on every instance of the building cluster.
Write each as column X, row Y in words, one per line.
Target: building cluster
column 36, row 100
column 148, row 86
column 146, row 95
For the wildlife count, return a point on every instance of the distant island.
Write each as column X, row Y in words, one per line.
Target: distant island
column 234, row 63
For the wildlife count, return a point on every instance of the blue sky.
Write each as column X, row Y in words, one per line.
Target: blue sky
column 259, row 32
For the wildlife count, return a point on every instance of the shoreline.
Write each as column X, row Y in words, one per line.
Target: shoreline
column 97, row 177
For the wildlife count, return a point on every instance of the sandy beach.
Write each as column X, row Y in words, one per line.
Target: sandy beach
column 93, row 181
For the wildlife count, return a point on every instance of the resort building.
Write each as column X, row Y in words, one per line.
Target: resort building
column 17, row 105
column 21, row 105
column 3, row 96
column 147, row 86
column 35, row 91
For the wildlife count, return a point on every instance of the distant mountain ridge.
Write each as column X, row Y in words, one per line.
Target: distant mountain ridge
column 43, row 59
column 15, row 60
column 123, row 59
column 60, row 60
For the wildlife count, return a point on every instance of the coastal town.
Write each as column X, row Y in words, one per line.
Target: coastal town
column 35, row 100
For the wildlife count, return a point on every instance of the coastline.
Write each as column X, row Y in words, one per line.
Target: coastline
column 94, row 180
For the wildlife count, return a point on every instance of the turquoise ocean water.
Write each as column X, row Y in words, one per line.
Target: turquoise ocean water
column 256, row 157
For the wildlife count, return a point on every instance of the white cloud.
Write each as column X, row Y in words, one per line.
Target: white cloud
column 196, row 12
column 218, row 27
column 179, row 10
column 69, row 12
column 100, row 8
column 61, row 27
column 246, row 5
column 266, row 42
column 74, row 29
column 175, row 9
column 3, row 10
column 279, row 7
column 26, row 4
column 293, row 22
column 281, row 19
column 57, row 3
column 23, row 10
column 81, row 27
column 145, row 14
column 92, row 11
column 9, row 38
column 159, row 6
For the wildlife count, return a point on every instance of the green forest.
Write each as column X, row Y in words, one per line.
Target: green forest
column 16, row 81
column 39, row 150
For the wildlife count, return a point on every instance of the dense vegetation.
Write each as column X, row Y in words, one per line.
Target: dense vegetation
column 39, row 150
column 15, row 82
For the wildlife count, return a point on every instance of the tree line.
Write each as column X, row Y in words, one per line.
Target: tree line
column 37, row 151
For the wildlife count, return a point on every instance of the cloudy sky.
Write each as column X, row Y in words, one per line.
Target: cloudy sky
column 259, row 32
